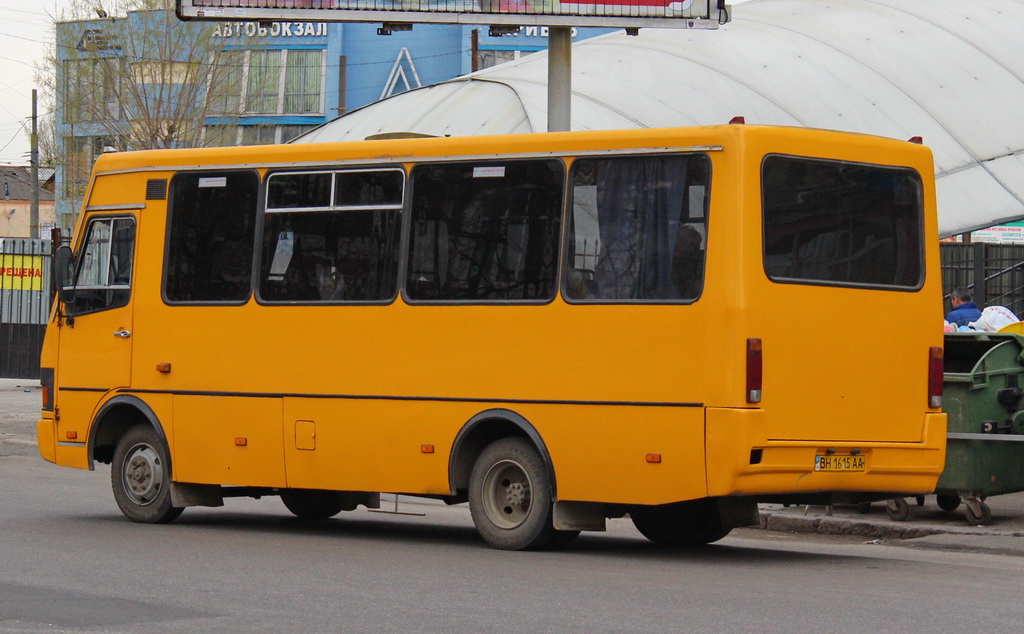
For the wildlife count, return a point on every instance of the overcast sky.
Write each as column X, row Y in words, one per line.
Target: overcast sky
column 24, row 30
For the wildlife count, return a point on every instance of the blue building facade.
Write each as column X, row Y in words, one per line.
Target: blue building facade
column 272, row 81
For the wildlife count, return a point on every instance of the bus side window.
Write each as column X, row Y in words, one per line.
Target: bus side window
column 485, row 231
column 103, row 278
column 211, row 230
column 331, row 236
column 638, row 228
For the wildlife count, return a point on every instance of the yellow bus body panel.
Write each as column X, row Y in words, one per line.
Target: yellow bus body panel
column 350, row 397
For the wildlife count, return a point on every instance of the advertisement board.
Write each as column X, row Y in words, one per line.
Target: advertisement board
column 609, row 13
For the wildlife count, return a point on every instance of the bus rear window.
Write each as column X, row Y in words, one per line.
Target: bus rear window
column 841, row 224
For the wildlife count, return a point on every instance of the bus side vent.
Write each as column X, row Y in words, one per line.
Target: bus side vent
column 156, row 189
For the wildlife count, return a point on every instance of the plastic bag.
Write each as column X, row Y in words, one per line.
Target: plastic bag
column 993, row 318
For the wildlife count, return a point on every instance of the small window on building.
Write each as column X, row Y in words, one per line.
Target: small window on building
column 104, row 276
column 220, row 136
column 842, row 224
column 267, row 82
column 485, row 231
column 259, row 134
column 638, row 228
column 331, row 236
column 211, row 232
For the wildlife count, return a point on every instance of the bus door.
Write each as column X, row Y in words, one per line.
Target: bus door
column 96, row 337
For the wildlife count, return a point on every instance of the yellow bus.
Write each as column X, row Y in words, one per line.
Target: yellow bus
column 673, row 324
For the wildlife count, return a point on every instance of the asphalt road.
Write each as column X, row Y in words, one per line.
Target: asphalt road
column 70, row 562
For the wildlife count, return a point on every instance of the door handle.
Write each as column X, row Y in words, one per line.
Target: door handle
column 124, row 334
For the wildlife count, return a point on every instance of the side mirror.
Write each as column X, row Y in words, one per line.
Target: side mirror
column 64, row 274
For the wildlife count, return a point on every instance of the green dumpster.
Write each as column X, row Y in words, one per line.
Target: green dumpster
column 984, row 386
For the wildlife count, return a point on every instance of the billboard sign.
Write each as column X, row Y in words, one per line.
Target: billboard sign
column 707, row 14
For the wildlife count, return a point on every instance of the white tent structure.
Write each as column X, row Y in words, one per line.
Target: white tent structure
column 949, row 71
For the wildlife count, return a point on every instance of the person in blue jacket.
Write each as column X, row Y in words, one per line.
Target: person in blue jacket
column 964, row 309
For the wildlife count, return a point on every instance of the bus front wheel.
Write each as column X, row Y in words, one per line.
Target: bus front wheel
column 510, row 496
column 680, row 524
column 141, row 477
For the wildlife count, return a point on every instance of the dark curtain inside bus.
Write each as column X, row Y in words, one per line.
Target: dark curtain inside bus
column 211, row 234
column 638, row 228
column 485, row 231
column 842, row 223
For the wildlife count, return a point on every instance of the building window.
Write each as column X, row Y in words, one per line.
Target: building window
column 226, row 82
column 262, row 82
column 91, row 89
column 228, row 135
column 220, row 136
column 302, row 82
column 259, row 134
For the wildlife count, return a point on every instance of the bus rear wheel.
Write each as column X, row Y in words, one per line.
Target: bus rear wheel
column 510, row 497
column 681, row 524
column 313, row 505
column 140, row 476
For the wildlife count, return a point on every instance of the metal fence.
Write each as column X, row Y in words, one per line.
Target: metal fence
column 25, row 297
column 994, row 272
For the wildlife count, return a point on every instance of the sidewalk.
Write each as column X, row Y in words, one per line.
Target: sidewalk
column 20, row 401
column 926, row 526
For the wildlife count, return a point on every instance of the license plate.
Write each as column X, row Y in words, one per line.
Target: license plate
column 838, row 463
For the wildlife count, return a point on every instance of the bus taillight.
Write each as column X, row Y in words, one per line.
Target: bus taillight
column 935, row 369
column 46, row 382
column 754, row 370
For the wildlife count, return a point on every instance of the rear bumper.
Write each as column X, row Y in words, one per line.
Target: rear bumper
column 735, row 467
column 46, row 438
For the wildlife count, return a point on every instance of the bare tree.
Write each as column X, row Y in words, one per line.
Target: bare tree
column 129, row 74
column 143, row 78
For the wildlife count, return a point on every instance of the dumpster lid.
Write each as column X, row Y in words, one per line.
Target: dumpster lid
column 963, row 350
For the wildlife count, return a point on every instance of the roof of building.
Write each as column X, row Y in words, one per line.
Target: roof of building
column 16, row 183
column 950, row 72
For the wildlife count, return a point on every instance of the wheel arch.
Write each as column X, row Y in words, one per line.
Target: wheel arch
column 482, row 430
column 113, row 419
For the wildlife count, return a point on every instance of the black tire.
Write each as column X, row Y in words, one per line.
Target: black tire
column 681, row 524
column 140, row 476
column 313, row 505
column 948, row 503
column 898, row 509
column 510, row 497
column 984, row 518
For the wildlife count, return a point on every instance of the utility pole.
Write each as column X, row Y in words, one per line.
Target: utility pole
column 559, row 78
column 33, row 213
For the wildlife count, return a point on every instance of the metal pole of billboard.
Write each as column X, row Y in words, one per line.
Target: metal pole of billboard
column 559, row 78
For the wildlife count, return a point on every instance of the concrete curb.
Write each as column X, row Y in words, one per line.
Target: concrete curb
column 825, row 525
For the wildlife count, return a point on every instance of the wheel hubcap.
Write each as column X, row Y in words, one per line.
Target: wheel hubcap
column 507, row 494
column 143, row 474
